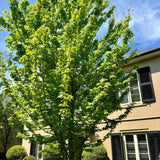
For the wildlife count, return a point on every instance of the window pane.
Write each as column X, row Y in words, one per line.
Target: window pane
column 129, row 139
column 135, row 95
column 130, row 147
column 131, row 157
column 142, row 145
column 126, row 100
column 40, row 147
column 141, row 138
column 144, row 157
column 39, row 153
column 134, row 82
column 143, row 148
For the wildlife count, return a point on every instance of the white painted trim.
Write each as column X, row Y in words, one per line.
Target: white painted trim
column 135, row 139
column 129, row 95
column 38, row 151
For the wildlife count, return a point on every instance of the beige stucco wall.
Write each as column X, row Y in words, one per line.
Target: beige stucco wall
column 143, row 117
column 27, row 144
column 131, row 126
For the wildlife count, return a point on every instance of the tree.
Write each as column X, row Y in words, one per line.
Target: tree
column 64, row 79
column 7, row 132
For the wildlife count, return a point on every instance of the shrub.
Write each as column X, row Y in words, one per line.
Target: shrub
column 16, row 152
column 51, row 152
column 95, row 153
column 29, row 158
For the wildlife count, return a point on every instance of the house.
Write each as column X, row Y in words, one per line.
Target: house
column 138, row 136
column 34, row 148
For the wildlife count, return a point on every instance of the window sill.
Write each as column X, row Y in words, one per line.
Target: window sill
column 134, row 105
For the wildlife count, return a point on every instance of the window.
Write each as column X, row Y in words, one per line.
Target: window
column 136, row 147
column 33, row 148
column 142, row 88
column 135, row 94
column 39, row 154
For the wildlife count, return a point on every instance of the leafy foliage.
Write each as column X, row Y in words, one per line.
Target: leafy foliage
column 16, row 152
column 51, row 152
column 63, row 79
column 29, row 158
column 95, row 153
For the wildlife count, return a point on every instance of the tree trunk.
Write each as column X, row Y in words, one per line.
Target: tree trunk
column 77, row 147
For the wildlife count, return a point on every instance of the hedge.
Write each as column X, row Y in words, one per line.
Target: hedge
column 16, row 152
column 95, row 153
column 29, row 158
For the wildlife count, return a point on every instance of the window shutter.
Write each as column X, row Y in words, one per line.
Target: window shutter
column 33, row 149
column 154, row 144
column 117, row 149
column 146, row 84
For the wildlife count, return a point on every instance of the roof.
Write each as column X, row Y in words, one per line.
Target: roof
column 144, row 52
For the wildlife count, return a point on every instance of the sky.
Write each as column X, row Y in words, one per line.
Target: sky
column 145, row 22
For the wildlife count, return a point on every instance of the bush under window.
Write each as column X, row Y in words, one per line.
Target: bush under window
column 16, row 152
column 29, row 158
column 95, row 152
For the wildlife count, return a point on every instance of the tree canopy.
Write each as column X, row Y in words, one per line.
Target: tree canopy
column 62, row 77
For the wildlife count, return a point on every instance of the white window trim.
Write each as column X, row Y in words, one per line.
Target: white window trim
column 39, row 150
column 136, row 145
column 130, row 96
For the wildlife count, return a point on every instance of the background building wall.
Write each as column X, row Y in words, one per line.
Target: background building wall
column 143, row 117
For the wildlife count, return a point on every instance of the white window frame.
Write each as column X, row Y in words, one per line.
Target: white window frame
column 137, row 154
column 129, row 95
column 38, row 146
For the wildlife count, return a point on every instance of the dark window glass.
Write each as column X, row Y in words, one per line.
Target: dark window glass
column 129, row 138
column 141, row 138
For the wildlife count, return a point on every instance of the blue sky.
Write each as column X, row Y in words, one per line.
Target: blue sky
column 145, row 21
